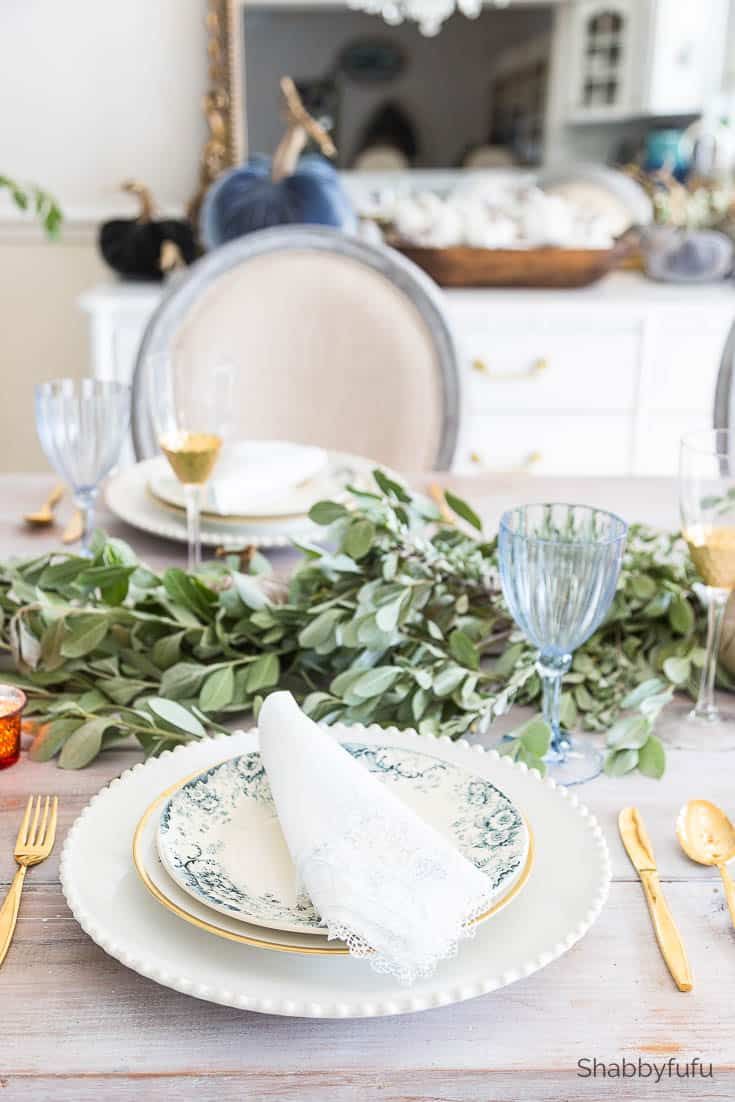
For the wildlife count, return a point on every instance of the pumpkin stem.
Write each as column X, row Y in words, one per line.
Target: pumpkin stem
column 144, row 197
column 300, row 126
column 170, row 257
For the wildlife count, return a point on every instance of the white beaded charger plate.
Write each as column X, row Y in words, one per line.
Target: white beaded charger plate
column 564, row 895
column 220, row 840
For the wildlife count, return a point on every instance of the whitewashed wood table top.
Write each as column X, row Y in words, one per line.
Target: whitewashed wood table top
column 75, row 1025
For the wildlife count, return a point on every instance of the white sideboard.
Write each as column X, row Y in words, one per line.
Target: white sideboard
column 601, row 381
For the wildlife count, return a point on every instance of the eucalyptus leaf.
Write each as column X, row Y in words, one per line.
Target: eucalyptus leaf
column 250, row 593
column 386, row 618
column 463, row 649
column 619, row 762
column 677, row 669
column 462, row 509
column 376, row 681
column 264, row 673
column 681, row 616
column 190, row 592
column 217, row 690
column 630, row 733
column 535, row 737
column 320, row 628
column 167, row 650
column 124, row 690
column 84, row 744
column 182, row 681
column 652, row 759
column 359, row 538
column 326, row 512
column 84, row 633
column 448, row 679
column 180, row 718
column 390, row 487
column 51, row 643
column 51, row 737
column 532, row 760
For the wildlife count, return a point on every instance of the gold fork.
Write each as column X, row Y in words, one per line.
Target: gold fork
column 34, row 843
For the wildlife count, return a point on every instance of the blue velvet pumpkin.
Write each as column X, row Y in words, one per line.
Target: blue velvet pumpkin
column 247, row 199
column 281, row 190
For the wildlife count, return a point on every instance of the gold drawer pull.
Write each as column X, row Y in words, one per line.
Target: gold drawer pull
column 537, row 367
column 526, row 465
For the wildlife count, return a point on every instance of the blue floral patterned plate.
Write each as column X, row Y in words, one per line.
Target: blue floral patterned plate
column 220, row 839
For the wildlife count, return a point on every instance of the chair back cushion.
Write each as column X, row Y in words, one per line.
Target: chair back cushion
column 328, row 350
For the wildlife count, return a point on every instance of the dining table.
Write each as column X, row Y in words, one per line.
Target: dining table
column 77, row 1026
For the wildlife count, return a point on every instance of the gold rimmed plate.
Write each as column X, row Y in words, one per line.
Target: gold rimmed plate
column 306, row 940
column 155, row 878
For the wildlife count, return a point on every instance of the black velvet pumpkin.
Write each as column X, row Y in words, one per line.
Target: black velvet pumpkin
column 146, row 247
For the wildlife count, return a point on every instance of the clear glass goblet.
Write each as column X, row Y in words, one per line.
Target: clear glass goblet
column 81, row 424
column 559, row 567
column 707, row 504
column 192, row 405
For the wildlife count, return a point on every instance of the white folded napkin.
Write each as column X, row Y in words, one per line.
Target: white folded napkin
column 381, row 878
column 251, row 471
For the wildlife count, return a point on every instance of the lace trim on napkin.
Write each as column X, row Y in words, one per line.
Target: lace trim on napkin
column 404, row 911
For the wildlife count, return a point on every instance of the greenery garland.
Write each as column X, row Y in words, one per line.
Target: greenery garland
column 401, row 621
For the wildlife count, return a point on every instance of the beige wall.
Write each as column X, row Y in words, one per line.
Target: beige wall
column 42, row 334
column 91, row 92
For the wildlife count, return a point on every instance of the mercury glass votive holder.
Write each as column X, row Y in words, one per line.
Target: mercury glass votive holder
column 12, row 703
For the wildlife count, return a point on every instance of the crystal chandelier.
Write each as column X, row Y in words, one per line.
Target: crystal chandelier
column 429, row 14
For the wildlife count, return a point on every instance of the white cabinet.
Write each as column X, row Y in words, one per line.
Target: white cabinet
column 684, row 56
column 641, row 58
column 602, row 380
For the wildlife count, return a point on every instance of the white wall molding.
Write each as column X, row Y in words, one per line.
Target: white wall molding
column 80, row 225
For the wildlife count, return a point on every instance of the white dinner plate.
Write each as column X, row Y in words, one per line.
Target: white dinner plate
column 168, row 893
column 220, row 840
column 564, row 895
column 130, row 498
column 203, row 825
column 162, row 887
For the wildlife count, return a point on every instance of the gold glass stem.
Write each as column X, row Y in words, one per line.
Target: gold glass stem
column 705, row 707
column 193, row 494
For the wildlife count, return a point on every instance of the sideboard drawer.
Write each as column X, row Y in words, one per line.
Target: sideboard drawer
column 552, row 369
column 683, row 361
column 560, row 444
column 659, row 439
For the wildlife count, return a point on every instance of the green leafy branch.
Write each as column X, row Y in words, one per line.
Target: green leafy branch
column 30, row 197
column 395, row 618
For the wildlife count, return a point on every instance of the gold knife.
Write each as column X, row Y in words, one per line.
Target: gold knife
column 639, row 849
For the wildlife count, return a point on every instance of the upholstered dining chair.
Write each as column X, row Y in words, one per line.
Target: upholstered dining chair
column 335, row 342
column 724, row 410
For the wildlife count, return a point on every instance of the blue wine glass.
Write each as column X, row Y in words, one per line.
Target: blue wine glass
column 81, row 425
column 559, row 567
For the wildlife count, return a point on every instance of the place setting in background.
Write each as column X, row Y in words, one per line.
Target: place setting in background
column 235, row 510
column 207, row 488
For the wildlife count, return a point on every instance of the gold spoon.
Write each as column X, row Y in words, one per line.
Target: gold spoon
column 45, row 515
column 707, row 836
